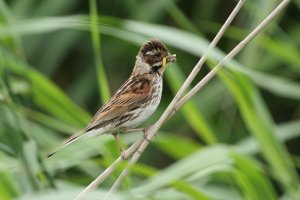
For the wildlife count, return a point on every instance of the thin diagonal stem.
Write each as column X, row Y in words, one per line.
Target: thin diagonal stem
column 192, row 75
column 133, row 148
column 233, row 53
column 139, row 146
column 198, row 66
column 125, row 172
column 196, row 89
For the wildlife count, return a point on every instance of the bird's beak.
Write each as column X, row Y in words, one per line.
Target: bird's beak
column 169, row 58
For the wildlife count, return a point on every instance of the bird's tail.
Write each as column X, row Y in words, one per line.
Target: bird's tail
column 70, row 140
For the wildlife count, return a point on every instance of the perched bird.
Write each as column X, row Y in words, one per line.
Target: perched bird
column 135, row 101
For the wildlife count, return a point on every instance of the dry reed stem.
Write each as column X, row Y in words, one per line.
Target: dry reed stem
column 139, row 146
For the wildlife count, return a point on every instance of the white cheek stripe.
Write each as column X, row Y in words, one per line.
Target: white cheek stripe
column 153, row 52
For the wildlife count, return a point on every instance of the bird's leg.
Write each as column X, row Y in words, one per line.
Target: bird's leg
column 123, row 156
column 145, row 135
column 126, row 130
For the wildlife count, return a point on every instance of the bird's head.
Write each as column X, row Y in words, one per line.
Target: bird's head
column 153, row 57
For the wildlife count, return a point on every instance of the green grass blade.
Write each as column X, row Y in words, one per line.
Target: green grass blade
column 192, row 191
column 200, row 160
column 133, row 31
column 252, row 181
column 8, row 189
column 102, row 78
column 190, row 111
column 180, row 18
column 47, row 95
column 254, row 113
column 169, row 144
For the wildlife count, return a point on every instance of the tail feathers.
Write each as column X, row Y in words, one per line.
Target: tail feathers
column 70, row 140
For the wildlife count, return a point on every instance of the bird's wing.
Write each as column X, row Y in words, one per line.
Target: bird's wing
column 132, row 93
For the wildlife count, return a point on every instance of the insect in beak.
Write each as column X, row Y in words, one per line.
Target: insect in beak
column 164, row 62
column 169, row 58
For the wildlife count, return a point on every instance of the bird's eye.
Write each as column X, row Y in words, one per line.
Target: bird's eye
column 158, row 54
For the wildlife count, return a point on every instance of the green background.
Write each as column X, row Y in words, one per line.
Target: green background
column 238, row 138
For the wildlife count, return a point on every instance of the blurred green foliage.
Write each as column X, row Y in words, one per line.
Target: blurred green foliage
column 237, row 139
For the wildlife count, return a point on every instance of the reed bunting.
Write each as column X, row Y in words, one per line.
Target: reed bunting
column 135, row 101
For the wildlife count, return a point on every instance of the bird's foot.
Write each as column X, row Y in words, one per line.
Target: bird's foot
column 145, row 134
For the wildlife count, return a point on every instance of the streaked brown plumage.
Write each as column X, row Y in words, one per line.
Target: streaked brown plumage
column 137, row 98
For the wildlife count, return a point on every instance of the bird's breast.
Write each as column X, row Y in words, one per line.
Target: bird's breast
column 145, row 110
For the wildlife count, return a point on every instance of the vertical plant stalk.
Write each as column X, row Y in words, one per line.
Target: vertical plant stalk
column 101, row 75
